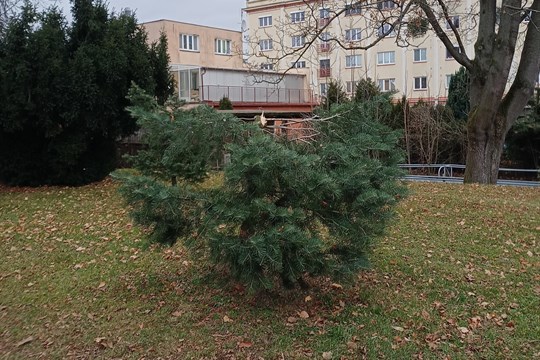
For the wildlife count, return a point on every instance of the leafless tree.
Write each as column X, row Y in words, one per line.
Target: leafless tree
column 503, row 69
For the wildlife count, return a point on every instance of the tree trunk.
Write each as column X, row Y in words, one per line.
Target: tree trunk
column 485, row 147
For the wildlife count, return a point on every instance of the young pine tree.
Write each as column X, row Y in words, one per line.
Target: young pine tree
column 285, row 210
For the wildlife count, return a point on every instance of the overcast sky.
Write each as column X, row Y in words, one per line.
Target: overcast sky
column 218, row 13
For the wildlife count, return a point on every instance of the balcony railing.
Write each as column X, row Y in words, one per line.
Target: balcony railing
column 324, row 47
column 257, row 94
column 325, row 72
column 323, row 22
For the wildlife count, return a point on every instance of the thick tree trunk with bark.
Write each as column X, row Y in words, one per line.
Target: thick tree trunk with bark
column 485, row 146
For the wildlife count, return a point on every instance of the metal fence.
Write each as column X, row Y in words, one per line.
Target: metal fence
column 450, row 173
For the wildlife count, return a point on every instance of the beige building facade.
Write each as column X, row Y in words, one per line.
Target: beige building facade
column 207, row 64
column 279, row 34
column 193, row 48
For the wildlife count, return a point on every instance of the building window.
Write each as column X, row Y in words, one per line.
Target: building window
column 449, row 56
column 353, row 9
column 223, row 47
column 384, row 5
column 324, row 70
column 267, row 66
column 352, row 61
column 189, row 42
column 454, row 20
column 386, row 30
column 448, row 79
column 324, row 36
column 324, row 13
column 353, row 35
column 387, row 84
column 351, row 86
column 526, row 15
column 299, row 64
column 420, row 83
column 265, row 21
column 298, row 41
column 420, row 55
column 265, row 45
column 297, row 17
column 324, row 89
column 386, row 58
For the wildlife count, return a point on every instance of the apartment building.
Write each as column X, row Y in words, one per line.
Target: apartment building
column 360, row 43
column 207, row 65
column 193, row 48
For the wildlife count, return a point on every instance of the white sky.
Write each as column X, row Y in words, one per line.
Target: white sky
column 217, row 13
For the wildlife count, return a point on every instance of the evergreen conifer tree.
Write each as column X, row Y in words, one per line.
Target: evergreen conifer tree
column 284, row 209
column 63, row 92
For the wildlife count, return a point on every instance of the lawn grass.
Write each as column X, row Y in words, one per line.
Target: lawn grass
column 457, row 276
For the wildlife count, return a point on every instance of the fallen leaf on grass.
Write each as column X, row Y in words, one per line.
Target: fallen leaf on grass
column 179, row 313
column 303, row 314
column 291, row 319
column 398, row 328
column 245, row 344
column 327, row 355
column 463, row 330
column 25, row 341
column 227, row 319
column 307, row 299
column 336, row 286
column 102, row 342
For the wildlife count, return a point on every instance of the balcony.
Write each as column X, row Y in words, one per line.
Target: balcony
column 325, row 72
column 244, row 94
column 324, row 47
column 323, row 22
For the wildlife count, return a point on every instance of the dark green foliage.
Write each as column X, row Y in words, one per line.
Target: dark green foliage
column 523, row 139
column 284, row 209
column 334, row 94
column 366, row 90
column 181, row 146
column 63, row 93
column 225, row 104
column 163, row 78
column 458, row 94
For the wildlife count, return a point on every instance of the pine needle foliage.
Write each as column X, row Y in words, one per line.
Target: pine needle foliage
column 285, row 209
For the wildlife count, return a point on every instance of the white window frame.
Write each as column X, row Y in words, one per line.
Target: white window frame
column 448, row 55
column 386, row 85
column 455, row 22
column 298, row 64
column 325, row 36
column 323, row 88
column 386, row 58
column 448, row 79
column 222, row 46
column 298, row 41
column 298, row 17
column 420, row 55
column 353, row 61
column 267, row 66
column 189, row 42
column 420, row 83
column 353, row 9
column 386, row 30
column 324, row 13
column 266, row 45
column 351, row 86
column 386, row 5
column 353, row 34
column 265, row 21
